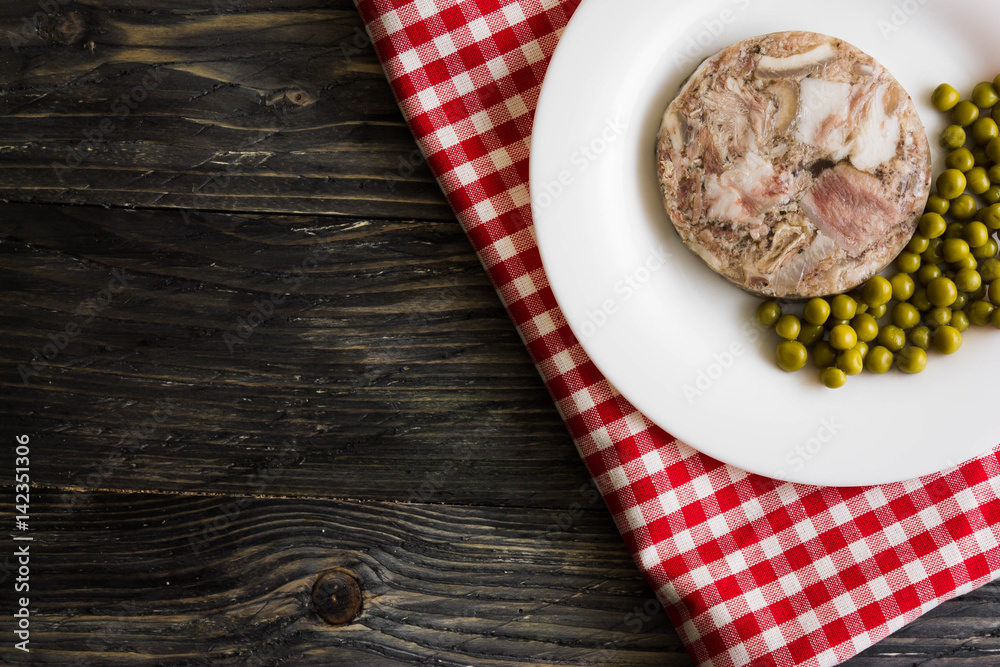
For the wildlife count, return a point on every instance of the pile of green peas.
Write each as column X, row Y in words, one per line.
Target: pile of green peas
column 947, row 278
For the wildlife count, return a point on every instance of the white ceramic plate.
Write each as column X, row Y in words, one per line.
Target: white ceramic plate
column 679, row 341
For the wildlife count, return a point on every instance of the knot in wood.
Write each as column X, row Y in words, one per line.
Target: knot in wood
column 336, row 596
column 65, row 28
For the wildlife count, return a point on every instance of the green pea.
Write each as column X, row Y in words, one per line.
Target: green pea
column 967, row 262
column 918, row 244
column 911, row 360
column 919, row 337
column 978, row 180
column 933, row 253
column 986, row 251
column 980, row 294
column 768, row 314
column 865, row 327
column 926, row 274
column 932, row 225
column 788, row 327
column 859, row 299
column 954, row 231
column 968, row 280
column 851, row 362
column 990, row 270
column 862, row 348
column 993, row 150
column 938, row 317
column 965, row 113
column 945, row 97
column 791, row 356
column 908, row 262
column 981, row 158
column 964, row 206
column 953, row 137
column 877, row 291
column 995, row 318
column 976, row 234
column 983, row 95
column 833, row 378
column 993, row 293
column 994, row 173
column 938, row 204
column 942, row 292
column 961, row 301
column 995, row 114
column 824, row 355
column 960, row 321
column 980, row 313
column 844, row 307
column 955, row 249
column 878, row 311
column 920, row 300
column 992, row 195
column 984, row 129
column 903, row 286
column 817, row 311
column 835, row 322
column 960, row 159
column 951, row 183
column 810, row 334
column 905, row 316
column 947, row 340
column 892, row 337
column 992, row 217
column 879, row 360
column 843, row 337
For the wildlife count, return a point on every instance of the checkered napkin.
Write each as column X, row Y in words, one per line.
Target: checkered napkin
column 752, row 571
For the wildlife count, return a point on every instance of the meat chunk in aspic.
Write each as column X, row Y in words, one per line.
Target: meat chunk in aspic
column 794, row 164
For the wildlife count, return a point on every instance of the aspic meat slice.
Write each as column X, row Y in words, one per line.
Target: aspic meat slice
column 794, row 164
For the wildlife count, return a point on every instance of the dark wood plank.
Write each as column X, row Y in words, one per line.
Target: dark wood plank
column 231, row 105
column 959, row 633
column 389, row 362
column 148, row 579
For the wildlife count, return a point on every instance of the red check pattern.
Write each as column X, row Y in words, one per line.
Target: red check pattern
column 752, row 571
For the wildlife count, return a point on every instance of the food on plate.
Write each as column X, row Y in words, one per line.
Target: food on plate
column 795, row 165
column 947, row 277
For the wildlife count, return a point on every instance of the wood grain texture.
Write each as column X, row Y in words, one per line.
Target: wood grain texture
column 377, row 367
column 148, row 579
column 380, row 351
column 185, row 580
column 225, row 105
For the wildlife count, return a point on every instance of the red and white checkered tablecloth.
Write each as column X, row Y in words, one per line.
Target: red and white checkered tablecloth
column 752, row 571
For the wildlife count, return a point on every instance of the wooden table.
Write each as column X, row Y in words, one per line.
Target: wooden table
column 250, row 345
